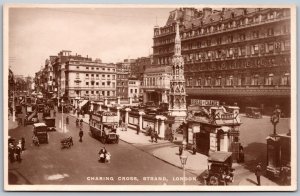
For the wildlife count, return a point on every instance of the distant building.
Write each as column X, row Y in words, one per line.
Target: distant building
column 156, row 84
column 232, row 55
column 134, row 88
column 123, row 72
column 74, row 77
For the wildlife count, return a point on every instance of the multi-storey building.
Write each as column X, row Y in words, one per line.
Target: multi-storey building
column 74, row 77
column 90, row 79
column 123, row 71
column 156, row 84
column 233, row 55
column 134, row 88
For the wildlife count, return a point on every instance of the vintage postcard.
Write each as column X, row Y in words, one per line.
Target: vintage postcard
column 149, row 97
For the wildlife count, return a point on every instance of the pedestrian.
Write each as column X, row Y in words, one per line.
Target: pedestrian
column 23, row 143
column 108, row 156
column 120, row 122
column 67, row 120
column 137, row 129
column 180, row 149
column 11, row 152
column 77, row 114
column 81, row 122
column 80, row 134
column 258, row 172
column 241, row 154
column 155, row 136
column 151, row 134
column 147, row 130
column 18, row 151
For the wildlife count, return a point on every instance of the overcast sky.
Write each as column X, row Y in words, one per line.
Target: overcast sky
column 109, row 34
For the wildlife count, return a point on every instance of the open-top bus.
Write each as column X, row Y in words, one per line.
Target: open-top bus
column 103, row 126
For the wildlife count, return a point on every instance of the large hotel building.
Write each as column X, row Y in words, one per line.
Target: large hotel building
column 232, row 55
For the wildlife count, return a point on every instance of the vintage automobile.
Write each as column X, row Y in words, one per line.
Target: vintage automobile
column 50, row 122
column 40, row 130
column 253, row 112
column 220, row 171
column 103, row 126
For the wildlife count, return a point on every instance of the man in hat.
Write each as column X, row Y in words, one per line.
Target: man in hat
column 80, row 134
column 258, row 171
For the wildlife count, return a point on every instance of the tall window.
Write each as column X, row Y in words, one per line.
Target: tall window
column 254, row 80
column 230, row 81
column 218, row 81
column 255, row 49
column 269, row 79
column 285, row 80
column 271, row 47
column 198, row 82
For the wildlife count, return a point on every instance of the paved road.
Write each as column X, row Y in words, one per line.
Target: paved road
column 49, row 164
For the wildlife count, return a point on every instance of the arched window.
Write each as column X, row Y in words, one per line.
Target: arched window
column 285, row 79
column 269, row 79
column 218, row 81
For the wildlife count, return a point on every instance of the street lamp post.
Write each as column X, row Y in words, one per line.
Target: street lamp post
column 62, row 115
column 183, row 159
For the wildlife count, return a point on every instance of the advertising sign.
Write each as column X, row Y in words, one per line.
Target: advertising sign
column 202, row 102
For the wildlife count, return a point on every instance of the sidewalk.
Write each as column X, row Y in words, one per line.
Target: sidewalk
column 251, row 181
column 168, row 152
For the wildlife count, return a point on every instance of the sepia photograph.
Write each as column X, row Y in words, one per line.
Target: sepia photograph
column 149, row 97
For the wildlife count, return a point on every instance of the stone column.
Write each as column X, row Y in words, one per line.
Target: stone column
column 100, row 107
column 130, row 100
column 92, row 106
column 141, row 113
column 118, row 113
column 119, row 100
column 164, row 97
column 162, row 127
column 226, row 142
column 127, row 110
column 108, row 108
column 156, row 124
column 105, row 101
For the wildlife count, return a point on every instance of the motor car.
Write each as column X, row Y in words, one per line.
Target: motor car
column 40, row 130
column 253, row 112
column 220, row 171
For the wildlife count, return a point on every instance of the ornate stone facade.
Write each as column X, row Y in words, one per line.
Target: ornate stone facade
column 232, row 55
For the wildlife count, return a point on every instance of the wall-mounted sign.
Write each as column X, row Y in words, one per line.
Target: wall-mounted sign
column 202, row 102
column 196, row 129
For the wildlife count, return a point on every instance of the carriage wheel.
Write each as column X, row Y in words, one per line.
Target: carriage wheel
column 213, row 180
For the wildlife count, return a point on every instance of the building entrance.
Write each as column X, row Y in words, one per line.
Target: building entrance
column 203, row 142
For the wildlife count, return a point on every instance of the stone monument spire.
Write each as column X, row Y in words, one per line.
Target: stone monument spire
column 177, row 106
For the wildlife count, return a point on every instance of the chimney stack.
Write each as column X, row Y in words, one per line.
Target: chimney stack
column 206, row 12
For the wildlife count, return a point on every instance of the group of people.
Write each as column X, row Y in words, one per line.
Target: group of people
column 153, row 134
column 104, row 156
column 79, row 123
column 15, row 150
